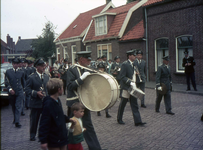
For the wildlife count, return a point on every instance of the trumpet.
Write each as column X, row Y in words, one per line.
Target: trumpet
column 138, row 73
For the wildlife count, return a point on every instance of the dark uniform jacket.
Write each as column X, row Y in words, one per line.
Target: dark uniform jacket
column 16, row 81
column 189, row 69
column 64, row 70
column 126, row 75
column 142, row 70
column 52, row 128
column 163, row 75
column 33, row 85
column 73, row 82
column 115, row 67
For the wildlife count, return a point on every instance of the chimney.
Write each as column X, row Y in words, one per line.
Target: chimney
column 107, row 1
column 19, row 38
column 8, row 39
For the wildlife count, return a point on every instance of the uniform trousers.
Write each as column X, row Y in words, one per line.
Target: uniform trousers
column 192, row 77
column 23, row 103
column 141, row 85
column 34, row 119
column 167, row 101
column 16, row 103
column 134, row 108
column 27, row 101
column 64, row 86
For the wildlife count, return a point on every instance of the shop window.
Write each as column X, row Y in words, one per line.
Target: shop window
column 104, row 49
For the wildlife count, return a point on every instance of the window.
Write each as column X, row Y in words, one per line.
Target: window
column 182, row 43
column 104, row 49
column 161, row 50
column 73, row 51
column 88, row 48
column 100, row 25
column 58, row 54
column 65, row 52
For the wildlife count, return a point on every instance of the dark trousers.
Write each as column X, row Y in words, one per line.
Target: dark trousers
column 190, row 76
column 27, row 101
column 16, row 104
column 64, row 86
column 23, row 104
column 167, row 101
column 34, row 119
column 141, row 86
column 90, row 135
column 134, row 108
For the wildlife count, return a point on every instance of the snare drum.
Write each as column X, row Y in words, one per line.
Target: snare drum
column 99, row 91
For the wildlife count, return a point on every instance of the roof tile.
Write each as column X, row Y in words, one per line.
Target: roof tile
column 136, row 32
column 82, row 22
column 149, row 2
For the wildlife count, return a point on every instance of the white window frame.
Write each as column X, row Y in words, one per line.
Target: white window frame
column 65, row 52
column 87, row 47
column 155, row 49
column 177, row 55
column 57, row 52
column 107, row 44
column 97, row 33
column 73, row 53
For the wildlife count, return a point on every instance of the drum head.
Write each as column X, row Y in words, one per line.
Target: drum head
column 95, row 93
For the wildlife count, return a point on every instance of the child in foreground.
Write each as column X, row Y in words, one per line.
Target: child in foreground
column 52, row 129
column 76, row 130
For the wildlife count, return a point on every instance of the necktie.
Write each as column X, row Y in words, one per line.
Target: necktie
column 42, row 78
column 15, row 70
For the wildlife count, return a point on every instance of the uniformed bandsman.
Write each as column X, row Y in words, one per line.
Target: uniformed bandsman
column 163, row 75
column 128, row 77
column 36, row 87
column 15, row 83
column 116, row 68
column 140, row 65
column 75, row 77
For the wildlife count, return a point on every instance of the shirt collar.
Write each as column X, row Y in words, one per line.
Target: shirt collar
column 15, row 69
column 130, row 62
column 39, row 73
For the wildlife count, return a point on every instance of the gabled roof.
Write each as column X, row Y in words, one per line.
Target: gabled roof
column 24, row 44
column 3, row 43
column 150, row 2
column 78, row 26
column 118, row 25
column 137, row 32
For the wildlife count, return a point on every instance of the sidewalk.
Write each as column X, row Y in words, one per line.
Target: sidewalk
column 178, row 88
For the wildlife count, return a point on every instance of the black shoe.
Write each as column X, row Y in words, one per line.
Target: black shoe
column 144, row 106
column 188, row 90
column 18, row 125
column 195, row 89
column 22, row 114
column 140, row 124
column 27, row 108
column 157, row 111
column 202, row 118
column 107, row 115
column 120, row 122
column 33, row 139
column 170, row 113
column 98, row 113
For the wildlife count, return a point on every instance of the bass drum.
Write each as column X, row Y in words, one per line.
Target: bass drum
column 99, row 91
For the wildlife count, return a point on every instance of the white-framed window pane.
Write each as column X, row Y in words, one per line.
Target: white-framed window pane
column 88, row 48
column 73, row 50
column 100, row 25
column 183, row 43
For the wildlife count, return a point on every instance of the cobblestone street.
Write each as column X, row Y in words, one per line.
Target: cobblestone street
column 183, row 131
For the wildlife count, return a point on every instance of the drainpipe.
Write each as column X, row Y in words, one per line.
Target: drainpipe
column 147, row 55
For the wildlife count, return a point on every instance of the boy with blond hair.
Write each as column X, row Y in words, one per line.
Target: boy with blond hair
column 52, row 129
column 76, row 131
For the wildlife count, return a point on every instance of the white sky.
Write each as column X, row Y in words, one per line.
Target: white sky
column 27, row 18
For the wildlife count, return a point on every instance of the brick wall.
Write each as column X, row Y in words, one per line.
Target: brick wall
column 172, row 20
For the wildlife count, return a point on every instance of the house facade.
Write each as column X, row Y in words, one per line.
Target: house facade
column 70, row 40
column 172, row 27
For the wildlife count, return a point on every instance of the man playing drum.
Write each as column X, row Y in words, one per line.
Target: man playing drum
column 75, row 78
column 128, row 78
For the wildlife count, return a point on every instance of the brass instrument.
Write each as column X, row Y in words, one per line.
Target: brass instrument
column 138, row 73
column 43, row 91
column 116, row 69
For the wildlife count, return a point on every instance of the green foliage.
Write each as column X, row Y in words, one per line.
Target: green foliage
column 129, row 1
column 44, row 45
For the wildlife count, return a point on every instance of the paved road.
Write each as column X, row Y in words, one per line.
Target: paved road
column 183, row 131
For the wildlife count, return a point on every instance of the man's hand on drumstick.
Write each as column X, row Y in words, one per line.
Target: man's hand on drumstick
column 84, row 75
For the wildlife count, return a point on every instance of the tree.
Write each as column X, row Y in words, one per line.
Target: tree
column 44, row 46
column 129, row 1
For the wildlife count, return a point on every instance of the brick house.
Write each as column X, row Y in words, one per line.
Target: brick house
column 116, row 31
column 70, row 40
column 24, row 46
column 172, row 27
